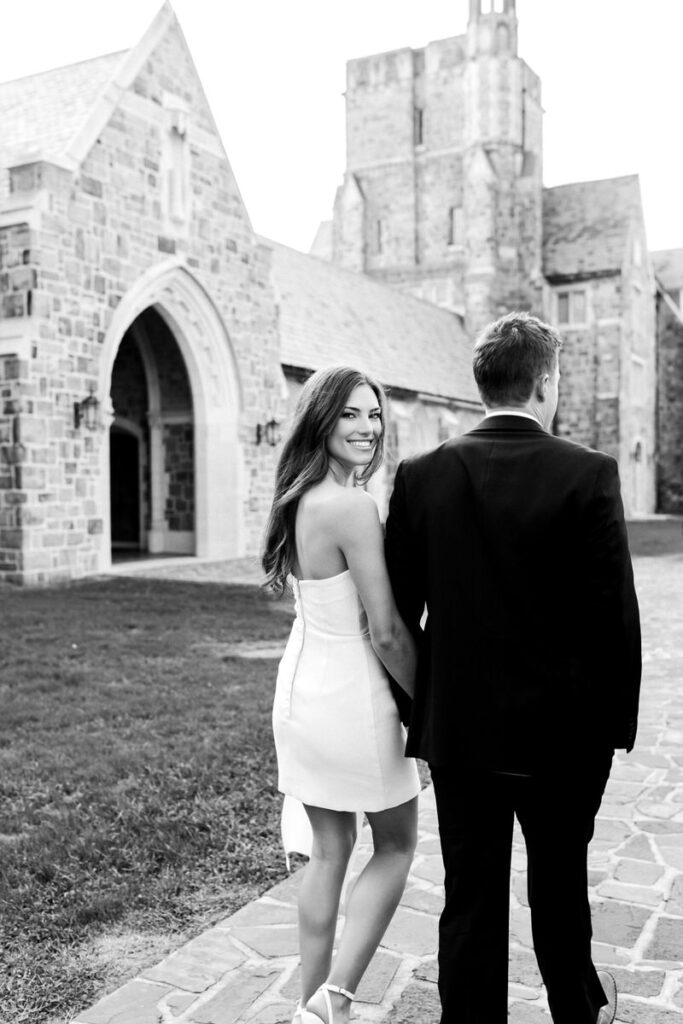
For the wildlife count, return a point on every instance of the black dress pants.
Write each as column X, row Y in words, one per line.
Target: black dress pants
column 556, row 810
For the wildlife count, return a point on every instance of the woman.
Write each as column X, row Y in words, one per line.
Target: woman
column 337, row 732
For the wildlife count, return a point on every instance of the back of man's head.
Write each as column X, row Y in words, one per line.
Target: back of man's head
column 510, row 355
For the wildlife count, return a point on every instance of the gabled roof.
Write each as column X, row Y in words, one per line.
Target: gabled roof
column 41, row 114
column 330, row 315
column 586, row 226
column 668, row 267
column 57, row 115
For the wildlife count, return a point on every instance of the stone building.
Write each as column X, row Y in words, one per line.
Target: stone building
column 669, row 272
column 443, row 198
column 148, row 349
column 151, row 345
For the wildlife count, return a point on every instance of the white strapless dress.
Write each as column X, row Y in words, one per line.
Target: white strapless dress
column 338, row 737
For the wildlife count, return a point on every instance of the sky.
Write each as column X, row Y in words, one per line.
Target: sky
column 274, row 75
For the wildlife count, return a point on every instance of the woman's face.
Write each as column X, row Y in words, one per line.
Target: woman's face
column 354, row 439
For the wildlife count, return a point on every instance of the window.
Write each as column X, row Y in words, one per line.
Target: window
column 418, row 126
column 378, row 235
column 456, row 233
column 572, row 307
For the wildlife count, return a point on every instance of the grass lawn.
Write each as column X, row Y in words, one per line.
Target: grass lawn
column 138, row 798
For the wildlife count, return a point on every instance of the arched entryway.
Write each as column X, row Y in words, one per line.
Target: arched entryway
column 126, row 510
column 170, row 377
column 151, row 444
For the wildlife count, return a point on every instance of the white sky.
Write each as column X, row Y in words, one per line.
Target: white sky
column 274, row 74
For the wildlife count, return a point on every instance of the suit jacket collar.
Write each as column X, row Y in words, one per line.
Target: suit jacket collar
column 506, row 422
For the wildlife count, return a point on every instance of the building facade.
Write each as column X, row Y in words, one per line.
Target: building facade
column 152, row 346
column 131, row 283
column 443, row 197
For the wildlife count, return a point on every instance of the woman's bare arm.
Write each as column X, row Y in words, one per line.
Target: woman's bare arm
column 356, row 528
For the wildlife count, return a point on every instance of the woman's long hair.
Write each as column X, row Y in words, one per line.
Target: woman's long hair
column 304, row 460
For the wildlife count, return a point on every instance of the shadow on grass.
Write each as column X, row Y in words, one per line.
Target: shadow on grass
column 137, row 776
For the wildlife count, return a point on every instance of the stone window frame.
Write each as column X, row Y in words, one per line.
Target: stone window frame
column 176, row 189
column 573, row 320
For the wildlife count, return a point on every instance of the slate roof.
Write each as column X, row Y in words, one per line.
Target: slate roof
column 586, row 226
column 329, row 315
column 41, row 114
column 668, row 266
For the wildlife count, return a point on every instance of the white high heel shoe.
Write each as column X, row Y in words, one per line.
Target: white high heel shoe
column 308, row 1017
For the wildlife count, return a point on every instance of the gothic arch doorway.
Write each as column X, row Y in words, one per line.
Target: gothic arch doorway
column 124, row 461
column 185, row 403
column 153, row 425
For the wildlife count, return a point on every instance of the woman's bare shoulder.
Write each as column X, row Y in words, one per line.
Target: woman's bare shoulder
column 337, row 503
column 351, row 509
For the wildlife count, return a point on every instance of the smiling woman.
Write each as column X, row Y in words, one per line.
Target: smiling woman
column 353, row 441
column 339, row 741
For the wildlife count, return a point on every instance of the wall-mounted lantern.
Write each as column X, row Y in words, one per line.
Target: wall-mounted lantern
column 87, row 412
column 268, row 433
column 13, row 454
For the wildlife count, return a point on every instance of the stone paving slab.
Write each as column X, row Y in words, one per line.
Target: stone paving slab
column 245, row 969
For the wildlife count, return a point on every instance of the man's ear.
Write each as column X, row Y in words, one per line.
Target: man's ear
column 542, row 386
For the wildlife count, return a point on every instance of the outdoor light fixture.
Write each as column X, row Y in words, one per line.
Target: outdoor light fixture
column 268, row 433
column 13, row 454
column 87, row 412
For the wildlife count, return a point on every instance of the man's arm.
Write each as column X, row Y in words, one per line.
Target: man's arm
column 405, row 572
column 613, row 603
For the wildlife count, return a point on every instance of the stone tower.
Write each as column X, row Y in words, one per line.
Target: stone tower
column 502, row 180
column 442, row 194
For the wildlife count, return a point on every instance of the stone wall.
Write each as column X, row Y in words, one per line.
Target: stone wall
column 92, row 235
column 669, row 408
column 179, row 468
column 442, row 194
column 607, row 376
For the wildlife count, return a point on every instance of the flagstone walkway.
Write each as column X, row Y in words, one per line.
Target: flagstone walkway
column 244, row 970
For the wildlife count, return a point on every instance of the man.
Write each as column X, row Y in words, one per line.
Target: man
column 528, row 674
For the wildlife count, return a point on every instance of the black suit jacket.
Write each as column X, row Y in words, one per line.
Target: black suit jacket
column 516, row 543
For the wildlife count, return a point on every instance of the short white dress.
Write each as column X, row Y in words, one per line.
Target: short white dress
column 339, row 741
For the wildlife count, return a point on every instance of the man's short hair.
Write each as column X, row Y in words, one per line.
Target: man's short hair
column 510, row 355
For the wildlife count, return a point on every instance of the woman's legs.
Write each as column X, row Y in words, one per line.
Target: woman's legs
column 334, row 835
column 372, row 902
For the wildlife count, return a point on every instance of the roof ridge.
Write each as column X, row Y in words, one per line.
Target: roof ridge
column 366, row 279
column 63, row 67
column 592, row 181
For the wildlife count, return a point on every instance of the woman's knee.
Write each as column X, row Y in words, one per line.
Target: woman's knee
column 395, row 830
column 334, row 835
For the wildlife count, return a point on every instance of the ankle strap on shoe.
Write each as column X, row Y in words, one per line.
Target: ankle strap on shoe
column 341, row 991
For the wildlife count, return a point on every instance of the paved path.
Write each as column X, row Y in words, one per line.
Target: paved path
column 244, row 970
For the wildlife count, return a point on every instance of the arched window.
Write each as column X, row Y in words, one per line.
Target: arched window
column 502, row 37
